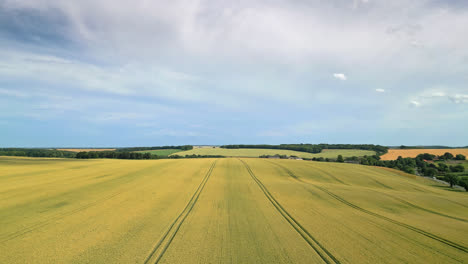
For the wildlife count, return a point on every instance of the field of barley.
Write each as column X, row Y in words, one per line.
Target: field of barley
column 327, row 153
column 393, row 154
column 227, row 210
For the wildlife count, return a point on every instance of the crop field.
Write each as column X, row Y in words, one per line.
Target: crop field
column 412, row 153
column 80, row 150
column 329, row 153
column 227, row 210
column 161, row 152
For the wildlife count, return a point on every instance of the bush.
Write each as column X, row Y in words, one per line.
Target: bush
column 457, row 168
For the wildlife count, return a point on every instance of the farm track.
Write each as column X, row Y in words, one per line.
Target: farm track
column 165, row 241
column 326, row 256
column 415, row 229
column 59, row 216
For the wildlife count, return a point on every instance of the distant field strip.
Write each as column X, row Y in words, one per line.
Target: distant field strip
column 165, row 241
column 161, row 152
column 393, row 154
column 80, row 150
column 323, row 252
column 422, row 232
column 328, row 153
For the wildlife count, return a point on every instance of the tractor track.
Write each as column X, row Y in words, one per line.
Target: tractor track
column 424, row 209
column 324, row 254
column 165, row 241
column 415, row 229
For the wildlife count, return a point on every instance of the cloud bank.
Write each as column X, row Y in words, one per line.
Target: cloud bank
column 218, row 60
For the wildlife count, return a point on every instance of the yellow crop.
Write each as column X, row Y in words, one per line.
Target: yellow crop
column 224, row 211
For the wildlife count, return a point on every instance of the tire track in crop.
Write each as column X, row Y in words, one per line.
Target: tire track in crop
column 324, row 172
column 165, row 241
column 326, row 256
column 424, row 209
column 383, row 184
column 59, row 216
column 415, row 229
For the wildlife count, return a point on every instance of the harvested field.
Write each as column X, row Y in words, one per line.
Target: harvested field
column 230, row 210
column 412, row 153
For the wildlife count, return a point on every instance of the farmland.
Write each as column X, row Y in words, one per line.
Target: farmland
column 80, row 150
column 161, row 152
column 412, row 153
column 329, row 153
column 224, row 211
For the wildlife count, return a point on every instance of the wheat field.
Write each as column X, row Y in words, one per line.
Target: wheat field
column 229, row 210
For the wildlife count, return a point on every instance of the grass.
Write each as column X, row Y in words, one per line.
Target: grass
column 412, row 153
column 225, row 211
column 161, row 152
column 331, row 153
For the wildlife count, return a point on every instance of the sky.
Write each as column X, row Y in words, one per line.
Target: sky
column 106, row 73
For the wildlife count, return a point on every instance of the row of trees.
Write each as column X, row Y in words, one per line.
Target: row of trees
column 133, row 155
column 314, row 148
column 48, row 153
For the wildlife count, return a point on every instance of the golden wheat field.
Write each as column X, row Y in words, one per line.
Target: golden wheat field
column 225, row 211
column 393, row 154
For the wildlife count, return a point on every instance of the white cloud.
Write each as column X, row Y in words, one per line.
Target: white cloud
column 379, row 90
column 438, row 94
column 459, row 98
column 340, row 76
column 415, row 103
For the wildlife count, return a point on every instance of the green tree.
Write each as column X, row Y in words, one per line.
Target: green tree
column 448, row 156
column 464, row 183
column 340, row 158
column 431, row 172
column 408, row 169
column 443, row 167
column 452, row 179
column 457, row 168
column 460, row 157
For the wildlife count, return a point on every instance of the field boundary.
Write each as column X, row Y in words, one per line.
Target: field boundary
column 415, row 229
column 326, row 256
column 158, row 250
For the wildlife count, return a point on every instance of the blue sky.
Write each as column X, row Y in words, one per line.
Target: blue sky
column 117, row 73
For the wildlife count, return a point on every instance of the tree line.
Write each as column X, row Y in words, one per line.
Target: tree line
column 313, row 148
column 133, row 155
column 32, row 152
